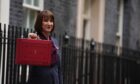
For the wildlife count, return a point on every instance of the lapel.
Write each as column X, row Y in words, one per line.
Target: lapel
column 55, row 42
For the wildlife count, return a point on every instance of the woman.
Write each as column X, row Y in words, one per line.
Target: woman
column 44, row 26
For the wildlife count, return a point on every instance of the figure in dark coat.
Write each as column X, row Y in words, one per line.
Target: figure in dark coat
column 46, row 74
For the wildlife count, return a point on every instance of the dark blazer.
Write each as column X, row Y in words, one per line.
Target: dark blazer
column 47, row 74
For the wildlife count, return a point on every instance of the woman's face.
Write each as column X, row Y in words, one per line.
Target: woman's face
column 47, row 25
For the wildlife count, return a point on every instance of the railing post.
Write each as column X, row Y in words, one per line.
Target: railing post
column 3, row 56
column 92, row 45
column 24, row 67
column 0, row 42
column 66, row 39
column 93, row 63
column 65, row 57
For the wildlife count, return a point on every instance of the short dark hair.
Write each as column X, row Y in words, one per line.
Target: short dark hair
column 43, row 15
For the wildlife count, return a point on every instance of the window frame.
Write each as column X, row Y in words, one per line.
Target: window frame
column 33, row 7
column 29, row 8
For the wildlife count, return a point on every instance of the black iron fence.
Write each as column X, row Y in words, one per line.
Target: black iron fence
column 83, row 62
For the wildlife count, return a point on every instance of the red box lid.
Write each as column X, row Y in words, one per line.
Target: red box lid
column 33, row 52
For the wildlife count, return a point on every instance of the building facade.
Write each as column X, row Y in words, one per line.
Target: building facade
column 122, row 23
column 113, row 22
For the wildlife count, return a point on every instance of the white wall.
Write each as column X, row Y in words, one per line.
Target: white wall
column 96, row 30
column 4, row 11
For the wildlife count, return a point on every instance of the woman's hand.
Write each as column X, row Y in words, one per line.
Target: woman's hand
column 32, row 36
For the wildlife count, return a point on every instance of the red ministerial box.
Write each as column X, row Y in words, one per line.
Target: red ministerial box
column 33, row 52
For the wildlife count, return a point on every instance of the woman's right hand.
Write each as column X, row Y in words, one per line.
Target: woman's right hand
column 32, row 36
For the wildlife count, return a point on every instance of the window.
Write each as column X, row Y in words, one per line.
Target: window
column 33, row 4
column 31, row 7
column 29, row 19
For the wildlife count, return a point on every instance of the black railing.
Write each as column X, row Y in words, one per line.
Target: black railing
column 83, row 62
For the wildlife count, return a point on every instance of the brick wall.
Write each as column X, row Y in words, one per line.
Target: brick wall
column 65, row 14
column 16, row 12
column 126, row 25
column 132, row 24
column 111, row 21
